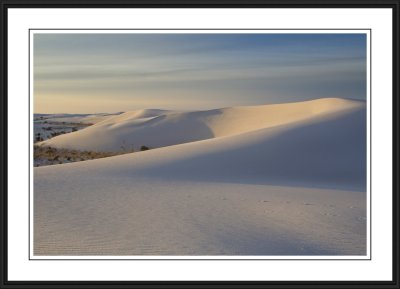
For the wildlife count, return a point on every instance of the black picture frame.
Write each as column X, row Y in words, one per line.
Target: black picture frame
column 326, row 4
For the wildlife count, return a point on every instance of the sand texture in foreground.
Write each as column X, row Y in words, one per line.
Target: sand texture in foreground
column 290, row 186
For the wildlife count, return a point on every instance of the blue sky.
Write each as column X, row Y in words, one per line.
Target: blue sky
column 88, row 73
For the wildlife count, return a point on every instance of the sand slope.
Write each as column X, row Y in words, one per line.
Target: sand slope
column 278, row 188
column 158, row 128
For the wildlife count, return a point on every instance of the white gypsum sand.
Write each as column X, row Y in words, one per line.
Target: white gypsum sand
column 270, row 183
column 158, row 128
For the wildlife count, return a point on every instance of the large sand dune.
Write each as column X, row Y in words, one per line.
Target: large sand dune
column 158, row 128
column 284, row 179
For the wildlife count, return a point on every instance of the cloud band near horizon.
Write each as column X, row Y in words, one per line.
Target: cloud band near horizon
column 88, row 73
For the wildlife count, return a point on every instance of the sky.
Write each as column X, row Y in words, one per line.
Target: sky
column 93, row 73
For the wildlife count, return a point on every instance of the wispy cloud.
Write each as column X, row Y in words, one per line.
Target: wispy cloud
column 178, row 69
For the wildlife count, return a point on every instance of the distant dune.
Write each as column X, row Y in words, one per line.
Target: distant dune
column 158, row 128
column 284, row 179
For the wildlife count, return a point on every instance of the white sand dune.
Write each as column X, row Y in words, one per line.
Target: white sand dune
column 284, row 179
column 158, row 128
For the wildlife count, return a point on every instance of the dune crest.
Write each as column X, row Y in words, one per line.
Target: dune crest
column 158, row 128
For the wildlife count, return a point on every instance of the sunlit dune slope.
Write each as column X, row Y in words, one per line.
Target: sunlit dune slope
column 325, row 149
column 159, row 128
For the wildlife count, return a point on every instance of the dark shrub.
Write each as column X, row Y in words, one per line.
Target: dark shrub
column 38, row 137
column 144, row 148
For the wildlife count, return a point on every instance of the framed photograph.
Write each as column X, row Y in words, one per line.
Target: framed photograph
column 200, row 145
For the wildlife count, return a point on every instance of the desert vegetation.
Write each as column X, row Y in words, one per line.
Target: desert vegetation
column 144, row 148
column 51, row 156
column 48, row 129
column 45, row 155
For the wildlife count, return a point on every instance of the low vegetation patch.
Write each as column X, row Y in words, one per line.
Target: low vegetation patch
column 45, row 155
column 144, row 148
